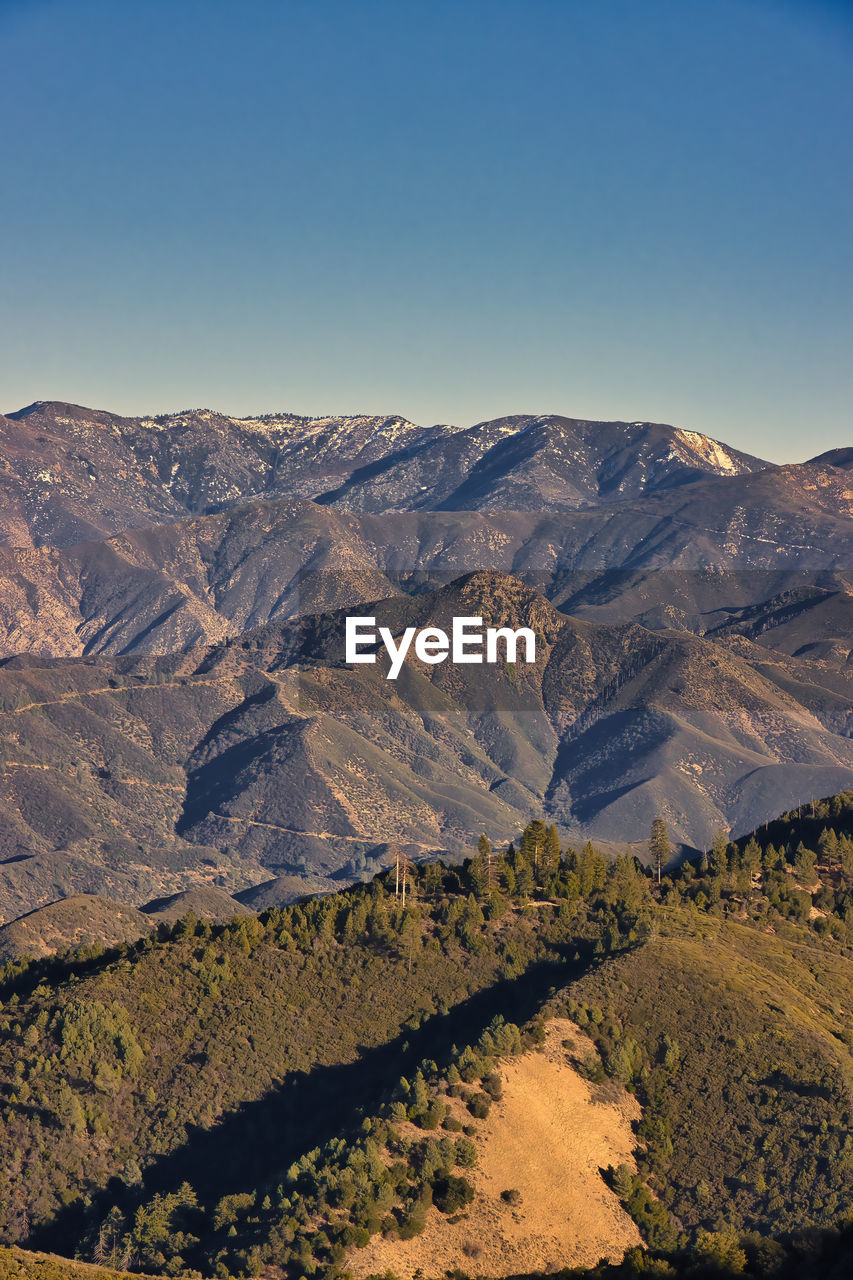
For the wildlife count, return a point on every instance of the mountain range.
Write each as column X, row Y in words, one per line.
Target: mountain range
column 71, row 474
column 174, row 710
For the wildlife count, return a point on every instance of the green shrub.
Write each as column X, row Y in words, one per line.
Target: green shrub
column 451, row 1193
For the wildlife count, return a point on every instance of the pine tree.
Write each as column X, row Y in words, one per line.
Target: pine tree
column 592, row 870
column 484, row 862
column 626, row 887
column 433, row 880
column 552, row 850
column 750, row 863
column 508, row 879
column 659, row 847
column 751, row 856
column 524, row 881
column 623, row 1181
column 772, row 859
column 804, row 865
column 828, row 847
column 533, row 844
column 719, row 857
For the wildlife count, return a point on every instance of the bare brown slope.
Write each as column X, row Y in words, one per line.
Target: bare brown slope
column 547, row 1139
column 26, row 1264
column 72, row 922
column 204, row 901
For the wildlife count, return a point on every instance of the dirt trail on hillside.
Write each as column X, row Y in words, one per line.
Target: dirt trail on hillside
column 546, row 1139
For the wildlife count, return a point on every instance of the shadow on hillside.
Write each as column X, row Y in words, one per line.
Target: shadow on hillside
column 254, row 1145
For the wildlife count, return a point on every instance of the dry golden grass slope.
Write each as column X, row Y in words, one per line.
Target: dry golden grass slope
column 21, row 1264
column 81, row 919
column 547, row 1138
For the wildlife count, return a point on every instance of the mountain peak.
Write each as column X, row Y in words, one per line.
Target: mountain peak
column 842, row 457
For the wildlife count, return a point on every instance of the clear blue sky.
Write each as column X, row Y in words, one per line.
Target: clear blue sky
column 446, row 209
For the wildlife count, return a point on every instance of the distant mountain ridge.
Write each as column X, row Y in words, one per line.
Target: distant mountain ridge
column 547, row 463
column 71, row 474
column 836, row 458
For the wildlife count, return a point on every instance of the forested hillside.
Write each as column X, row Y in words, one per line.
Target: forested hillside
column 279, row 1090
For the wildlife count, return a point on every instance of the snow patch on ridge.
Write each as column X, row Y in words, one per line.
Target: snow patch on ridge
column 710, row 450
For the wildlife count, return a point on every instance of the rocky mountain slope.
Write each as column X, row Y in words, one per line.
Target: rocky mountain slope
column 697, row 557
column 550, row 463
column 70, row 474
column 267, row 757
